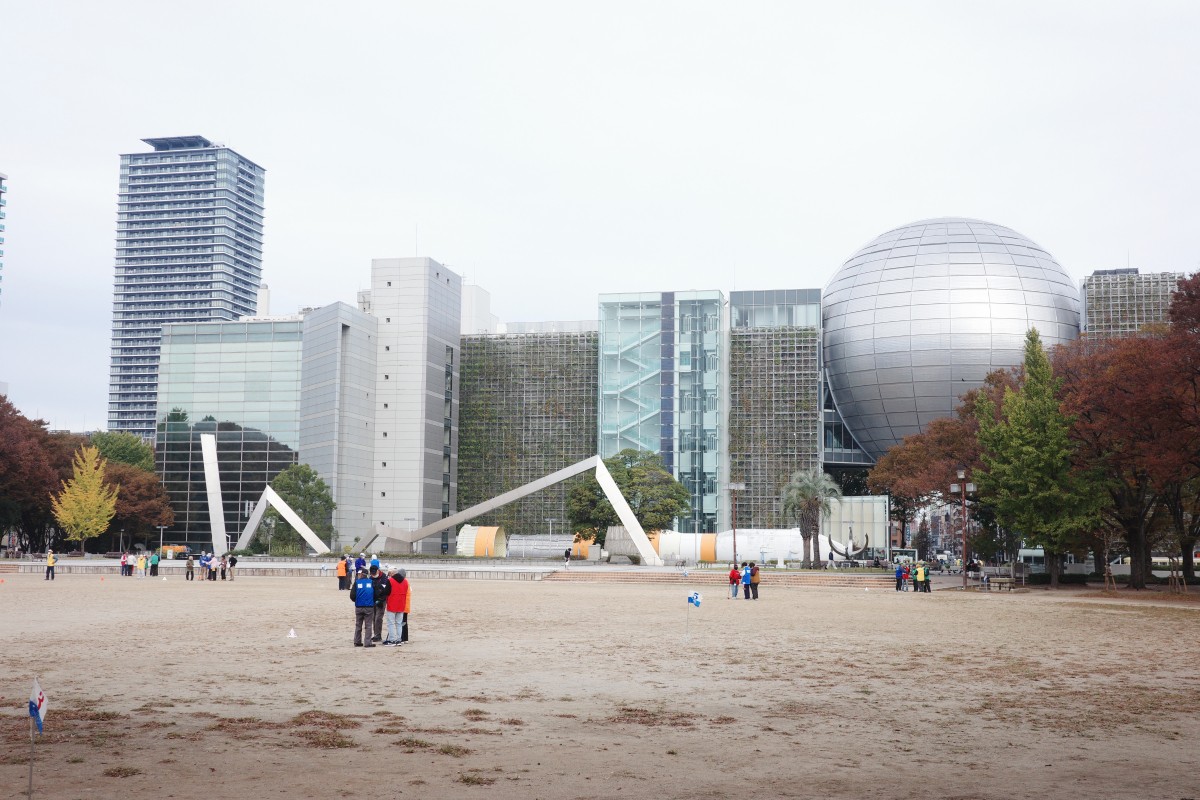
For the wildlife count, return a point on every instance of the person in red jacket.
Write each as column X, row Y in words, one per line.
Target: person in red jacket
column 397, row 610
column 735, row 579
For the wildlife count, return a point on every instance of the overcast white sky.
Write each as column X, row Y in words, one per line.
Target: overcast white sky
column 553, row 151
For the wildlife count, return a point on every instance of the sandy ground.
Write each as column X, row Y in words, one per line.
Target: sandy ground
column 168, row 689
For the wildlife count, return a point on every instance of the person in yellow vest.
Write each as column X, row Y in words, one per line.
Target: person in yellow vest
column 51, row 560
column 753, row 580
column 141, row 565
column 919, row 578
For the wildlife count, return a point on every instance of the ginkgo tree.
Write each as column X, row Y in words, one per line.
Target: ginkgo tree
column 86, row 504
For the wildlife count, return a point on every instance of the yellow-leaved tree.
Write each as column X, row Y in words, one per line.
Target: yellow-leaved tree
column 86, row 504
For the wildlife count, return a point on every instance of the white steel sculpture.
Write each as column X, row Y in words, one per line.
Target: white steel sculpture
column 216, row 512
column 271, row 497
column 212, row 486
column 603, row 477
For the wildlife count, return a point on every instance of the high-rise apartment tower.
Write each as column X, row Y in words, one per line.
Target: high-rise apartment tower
column 3, row 203
column 189, row 249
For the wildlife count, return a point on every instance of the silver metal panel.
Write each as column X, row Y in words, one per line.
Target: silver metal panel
column 969, row 290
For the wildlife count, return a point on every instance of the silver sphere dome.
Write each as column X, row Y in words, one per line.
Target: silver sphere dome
column 924, row 312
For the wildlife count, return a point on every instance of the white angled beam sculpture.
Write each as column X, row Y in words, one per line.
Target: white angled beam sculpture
column 271, row 497
column 212, row 486
column 607, row 484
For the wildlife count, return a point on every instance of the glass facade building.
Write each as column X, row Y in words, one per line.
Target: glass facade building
column 774, row 397
column 189, row 249
column 661, row 389
column 528, row 409
column 242, row 382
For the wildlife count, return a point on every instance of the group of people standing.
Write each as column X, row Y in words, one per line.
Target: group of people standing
column 378, row 596
column 917, row 573
column 747, row 577
column 146, row 565
column 210, row 565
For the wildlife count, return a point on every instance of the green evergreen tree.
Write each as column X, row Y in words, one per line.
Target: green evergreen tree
column 1029, row 478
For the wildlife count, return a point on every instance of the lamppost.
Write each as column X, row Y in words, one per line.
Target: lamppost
column 734, row 488
column 962, row 488
column 551, row 520
column 161, row 528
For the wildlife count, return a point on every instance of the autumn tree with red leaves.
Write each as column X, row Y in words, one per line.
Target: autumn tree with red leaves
column 919, row 470
column 142, row 503
column 26, row 474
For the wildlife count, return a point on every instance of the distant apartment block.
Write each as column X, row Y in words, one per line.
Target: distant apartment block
column 1120, row 302
column 189, row 250
column 3, row 203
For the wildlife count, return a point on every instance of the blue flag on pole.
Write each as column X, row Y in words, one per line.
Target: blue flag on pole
column 694, row 599
column 37, row 704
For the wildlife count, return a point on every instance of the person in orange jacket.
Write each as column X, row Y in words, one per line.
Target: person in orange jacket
column 341, row 573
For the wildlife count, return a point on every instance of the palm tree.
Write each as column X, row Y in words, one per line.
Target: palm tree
column 806, row 498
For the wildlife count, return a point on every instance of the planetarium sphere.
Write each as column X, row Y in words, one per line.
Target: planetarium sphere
column 925, row 311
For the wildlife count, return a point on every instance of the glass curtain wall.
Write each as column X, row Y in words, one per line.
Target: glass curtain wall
column 660, row 388
column 241, row 382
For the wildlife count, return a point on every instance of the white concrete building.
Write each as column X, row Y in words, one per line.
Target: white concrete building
column 417, row 303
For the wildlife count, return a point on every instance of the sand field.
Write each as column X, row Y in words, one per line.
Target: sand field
column 169, row 689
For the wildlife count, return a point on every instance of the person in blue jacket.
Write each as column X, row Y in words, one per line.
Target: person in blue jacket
column 746, row 576
column 363, row 595
column 899, row 578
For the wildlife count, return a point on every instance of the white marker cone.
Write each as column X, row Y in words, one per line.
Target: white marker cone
column 292, row 633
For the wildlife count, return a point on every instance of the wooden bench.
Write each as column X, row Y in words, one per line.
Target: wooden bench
column 1001, row 583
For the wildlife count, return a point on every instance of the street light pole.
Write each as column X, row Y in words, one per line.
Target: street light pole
column 551, row 520
column 161, row 528
column 962, row 487
column 734, row 488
